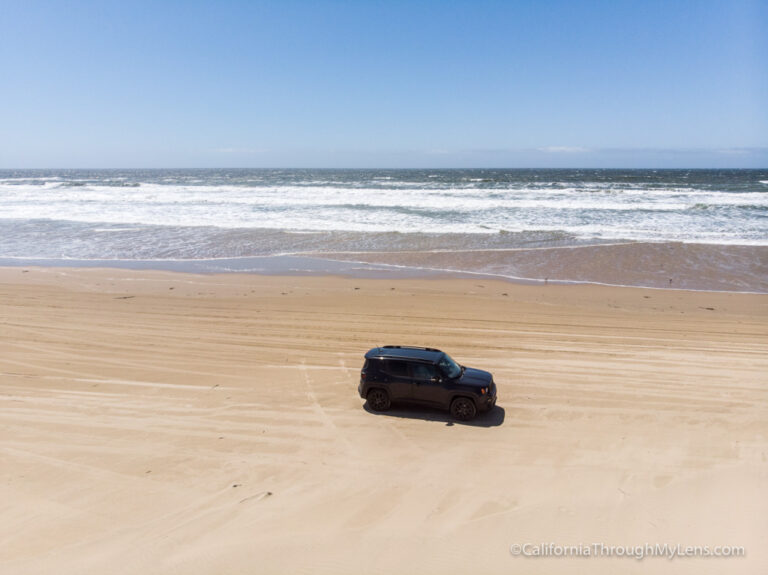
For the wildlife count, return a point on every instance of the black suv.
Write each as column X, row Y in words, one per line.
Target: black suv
column 426, row 376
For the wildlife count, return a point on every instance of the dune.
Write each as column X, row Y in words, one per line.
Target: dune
column 157, row 422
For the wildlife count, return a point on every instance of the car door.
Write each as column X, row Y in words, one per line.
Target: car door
column 397, row 378
column 427, row 385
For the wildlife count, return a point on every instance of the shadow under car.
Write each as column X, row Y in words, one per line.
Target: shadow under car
column 494, row 417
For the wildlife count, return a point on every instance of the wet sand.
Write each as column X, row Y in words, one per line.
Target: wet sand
column 156, row 422
column 638, row 264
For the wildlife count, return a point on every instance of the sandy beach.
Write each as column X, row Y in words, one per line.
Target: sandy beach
column 155, row 422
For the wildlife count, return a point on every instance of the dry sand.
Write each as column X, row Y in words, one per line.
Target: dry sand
column 155, row 422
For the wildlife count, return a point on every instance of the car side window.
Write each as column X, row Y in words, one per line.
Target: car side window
column 423, row 372
column 395, row 368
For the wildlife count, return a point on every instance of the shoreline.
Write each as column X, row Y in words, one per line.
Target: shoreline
column 663, row 265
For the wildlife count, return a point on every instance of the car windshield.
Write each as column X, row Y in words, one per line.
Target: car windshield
column 450, row 368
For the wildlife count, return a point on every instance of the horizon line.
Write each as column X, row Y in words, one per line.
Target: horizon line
column 384, row 168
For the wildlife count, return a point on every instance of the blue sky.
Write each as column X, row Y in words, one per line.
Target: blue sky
column 384, row 84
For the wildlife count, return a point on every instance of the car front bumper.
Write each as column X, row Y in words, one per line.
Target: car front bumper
column 488, row 400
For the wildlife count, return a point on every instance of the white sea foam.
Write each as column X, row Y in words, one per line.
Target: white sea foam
column 471, row 203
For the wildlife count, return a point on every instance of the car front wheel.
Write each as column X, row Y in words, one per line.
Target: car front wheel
column 378, row 400
column 463, row 409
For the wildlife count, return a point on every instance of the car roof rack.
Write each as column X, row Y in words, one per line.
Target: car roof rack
column 409, row 347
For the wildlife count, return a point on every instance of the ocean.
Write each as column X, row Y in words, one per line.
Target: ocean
column 494, row 222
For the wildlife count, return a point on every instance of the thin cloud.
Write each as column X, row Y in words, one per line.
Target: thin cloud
column 741, row 151
column 240, row 151
column 564, row 149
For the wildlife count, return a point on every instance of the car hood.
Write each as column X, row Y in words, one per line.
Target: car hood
column 475, row 377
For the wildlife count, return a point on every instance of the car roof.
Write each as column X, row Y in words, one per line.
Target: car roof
column 428, row 354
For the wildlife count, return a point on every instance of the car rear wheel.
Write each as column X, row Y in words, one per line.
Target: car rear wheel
column 463, row 409
column 378, row 400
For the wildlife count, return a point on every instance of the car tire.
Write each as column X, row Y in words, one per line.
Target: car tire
column 378, row 399
column 463, row 409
